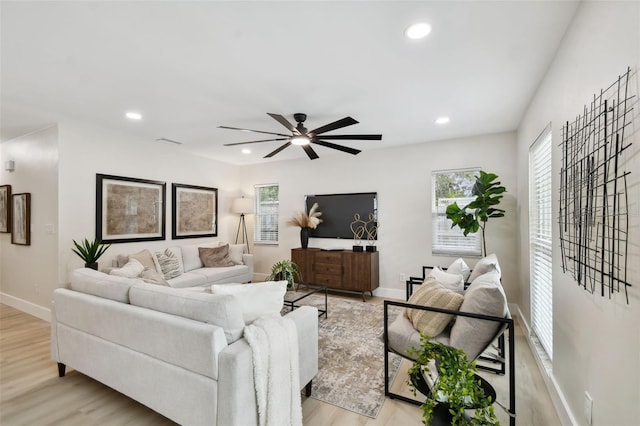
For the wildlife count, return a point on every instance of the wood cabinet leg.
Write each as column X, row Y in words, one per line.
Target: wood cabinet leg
column 307, row 389
column 61, row 369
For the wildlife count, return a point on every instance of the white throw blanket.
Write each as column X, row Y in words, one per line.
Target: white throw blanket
column 274, row 342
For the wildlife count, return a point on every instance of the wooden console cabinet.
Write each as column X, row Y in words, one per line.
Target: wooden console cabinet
column 339, row 269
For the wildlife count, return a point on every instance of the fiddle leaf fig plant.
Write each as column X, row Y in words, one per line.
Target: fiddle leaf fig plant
column 285, row 270
column 456, row 385
column 474, row 216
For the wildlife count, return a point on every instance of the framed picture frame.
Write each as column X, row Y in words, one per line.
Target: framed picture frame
column 129, row 209
column 194, row 211
column 5, row 208
column 21, row 219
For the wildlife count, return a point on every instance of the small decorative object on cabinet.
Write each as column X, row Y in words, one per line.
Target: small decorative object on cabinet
column 306, row 222
column 371, row 227
column 338, row 269
column 90, row 251
column 358, row 228
column 285, row 270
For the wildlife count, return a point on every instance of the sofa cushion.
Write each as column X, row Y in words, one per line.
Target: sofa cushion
column 484, row 265
column 459, row 266
column 217, row 309
column 215, row 256
column 486, row 297
column 432, row 293
column 152, row 276
column 454, row 282
column 188, row 279
column 131, row 269
column 169, row 264
column 99, row 284
column 191, row 256
column 256, row 300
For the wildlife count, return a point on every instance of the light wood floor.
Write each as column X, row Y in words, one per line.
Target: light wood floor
column 31, row 393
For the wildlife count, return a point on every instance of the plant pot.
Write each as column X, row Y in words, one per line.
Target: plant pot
column 304, row 237
column 93, row 265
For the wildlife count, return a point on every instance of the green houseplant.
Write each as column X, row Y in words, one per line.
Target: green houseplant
column 474, row 216
column 285, row 270
column 90, row 251
column 456, row 388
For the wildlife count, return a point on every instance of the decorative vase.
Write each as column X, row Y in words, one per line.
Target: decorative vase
column 304, row 237
column 93, row 265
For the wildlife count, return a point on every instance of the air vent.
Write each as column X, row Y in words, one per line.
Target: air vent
column 169, row 140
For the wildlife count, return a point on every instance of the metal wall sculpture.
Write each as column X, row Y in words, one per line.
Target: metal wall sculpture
column 593, row 216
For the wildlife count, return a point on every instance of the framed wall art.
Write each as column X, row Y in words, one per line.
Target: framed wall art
column 129, row 209
column 194, row 211
column 5, row 208
column 21, row 219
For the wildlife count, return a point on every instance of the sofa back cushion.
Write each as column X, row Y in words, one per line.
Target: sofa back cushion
column 112, row 287
column 217, row 309
column 256, row 300
column 191, row 256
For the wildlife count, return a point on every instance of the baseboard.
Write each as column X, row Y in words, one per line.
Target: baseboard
column 557, row 397
column 390, row 293
column 26, row 306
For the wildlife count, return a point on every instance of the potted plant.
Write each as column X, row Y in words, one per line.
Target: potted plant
column 306, row 222
column 90, row 251
column 474, row 216
column 286, row 270
column 455, row 387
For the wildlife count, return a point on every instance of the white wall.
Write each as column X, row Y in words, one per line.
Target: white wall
column 402, row 178
column 596, row 340
column 28, row 273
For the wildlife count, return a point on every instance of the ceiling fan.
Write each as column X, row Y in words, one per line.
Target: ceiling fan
column 304, row 138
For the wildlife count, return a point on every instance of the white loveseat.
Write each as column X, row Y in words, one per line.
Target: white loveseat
column 178, row 351
column 191, row 271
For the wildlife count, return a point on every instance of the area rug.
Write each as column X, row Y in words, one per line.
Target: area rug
column 351, row 355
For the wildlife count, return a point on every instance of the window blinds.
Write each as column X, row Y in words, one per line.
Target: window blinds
column 266, row 224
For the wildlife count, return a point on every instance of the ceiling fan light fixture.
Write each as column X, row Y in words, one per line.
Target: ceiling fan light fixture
column 300, row 140
column 418, row 31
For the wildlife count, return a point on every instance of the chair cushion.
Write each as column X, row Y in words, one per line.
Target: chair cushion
column 454, row 282
column 484, row 265
column 459, row 266
column 486, row 297
column 434, row 294
column 402, row 336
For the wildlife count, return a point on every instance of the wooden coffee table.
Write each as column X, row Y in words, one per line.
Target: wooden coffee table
column 292, row 298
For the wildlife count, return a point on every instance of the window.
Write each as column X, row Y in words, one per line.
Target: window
column 451, row 186
column 540, row 221
column 266, row 226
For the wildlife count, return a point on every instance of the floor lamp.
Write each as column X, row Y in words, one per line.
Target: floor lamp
column 242, row 206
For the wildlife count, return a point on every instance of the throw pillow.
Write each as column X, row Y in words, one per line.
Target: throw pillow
column 235, row 253
column 460, row 267
column 256, row 300
column 145, row 257
column 453, row 282
column 169, row 264
column 153, row 277
column 431, row 293
column 486, row 297
column 132, row 269
column 484, row 265
column 215, row 256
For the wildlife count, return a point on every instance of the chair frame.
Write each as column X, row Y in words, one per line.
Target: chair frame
column 506, row 323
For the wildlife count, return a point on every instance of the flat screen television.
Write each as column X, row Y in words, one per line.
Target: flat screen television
column 338, row 211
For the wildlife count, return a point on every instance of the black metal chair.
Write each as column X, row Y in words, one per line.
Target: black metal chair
column 505, row 323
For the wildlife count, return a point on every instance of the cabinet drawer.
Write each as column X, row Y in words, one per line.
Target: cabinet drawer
column 328, row 257
column 328, row 280
column 327, row 268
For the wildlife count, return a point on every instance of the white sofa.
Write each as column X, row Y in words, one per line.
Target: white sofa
column 178, row 351
column 192, row 271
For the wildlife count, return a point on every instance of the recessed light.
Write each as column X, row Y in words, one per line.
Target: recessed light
column 442, row 120
column 418, row 31
column 246, row 151
column 134, row 115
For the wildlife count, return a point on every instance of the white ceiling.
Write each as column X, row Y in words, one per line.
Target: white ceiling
column 189, row 67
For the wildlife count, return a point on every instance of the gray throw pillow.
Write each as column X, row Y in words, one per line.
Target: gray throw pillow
column 215, row 256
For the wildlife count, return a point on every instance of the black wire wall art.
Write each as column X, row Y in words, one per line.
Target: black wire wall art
column 594, row 198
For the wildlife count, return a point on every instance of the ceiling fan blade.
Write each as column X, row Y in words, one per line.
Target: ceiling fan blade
column 274, row 152
column 280, row 119
column 255, row 131
column 344, row 122
column 264, row 140
column 353, row 137
column 338, row 147
column 310, row 152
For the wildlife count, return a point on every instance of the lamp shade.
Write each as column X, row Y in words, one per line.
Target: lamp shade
column 242, row 206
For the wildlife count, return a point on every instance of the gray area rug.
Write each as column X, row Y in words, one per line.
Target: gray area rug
column 351, row 355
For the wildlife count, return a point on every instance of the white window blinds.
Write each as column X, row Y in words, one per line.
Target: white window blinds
column 451, row 186
column 266, row 225
column 540, row 243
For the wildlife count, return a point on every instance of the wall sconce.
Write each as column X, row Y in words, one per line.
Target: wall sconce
column 10, row 165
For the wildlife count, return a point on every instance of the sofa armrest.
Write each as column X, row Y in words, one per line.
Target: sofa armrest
column 306, row 319
column 247, row 259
